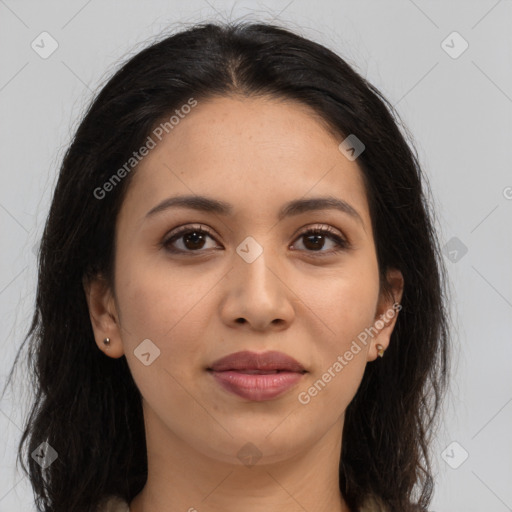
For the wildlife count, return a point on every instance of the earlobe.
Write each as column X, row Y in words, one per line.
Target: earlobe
column 103, row 315
column 387, row 314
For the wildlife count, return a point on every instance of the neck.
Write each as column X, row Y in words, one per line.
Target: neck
column 182, row 478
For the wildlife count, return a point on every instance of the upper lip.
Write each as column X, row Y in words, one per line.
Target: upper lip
column 266, row 361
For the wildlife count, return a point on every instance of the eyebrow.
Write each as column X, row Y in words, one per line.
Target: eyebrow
column 290, row 209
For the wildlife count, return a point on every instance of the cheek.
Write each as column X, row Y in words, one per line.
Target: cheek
column 161, row 306
column 340, row 352
column 345, row 300
column 346, row 303
column 159, row 303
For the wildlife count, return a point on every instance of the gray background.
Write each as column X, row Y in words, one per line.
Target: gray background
column 458, row 108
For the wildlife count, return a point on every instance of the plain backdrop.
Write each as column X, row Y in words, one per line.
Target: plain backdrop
column 446, row 66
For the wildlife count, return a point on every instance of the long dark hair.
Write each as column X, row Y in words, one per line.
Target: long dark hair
column 87, row 406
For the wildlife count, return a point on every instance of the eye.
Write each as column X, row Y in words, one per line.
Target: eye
column 189, row 239
column 314, row 240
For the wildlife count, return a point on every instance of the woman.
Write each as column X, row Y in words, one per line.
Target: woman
column 241, row 296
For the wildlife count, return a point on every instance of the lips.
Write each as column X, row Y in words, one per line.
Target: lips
column 252, row 362
column 257, row 377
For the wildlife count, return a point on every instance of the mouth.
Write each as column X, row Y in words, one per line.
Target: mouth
column 267, row 362
column 259, row 372
column 257, row 377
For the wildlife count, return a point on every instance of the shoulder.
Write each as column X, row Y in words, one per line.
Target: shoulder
column 113, row 504
column 373, row 504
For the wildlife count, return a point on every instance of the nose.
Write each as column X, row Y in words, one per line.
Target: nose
column 257, row 294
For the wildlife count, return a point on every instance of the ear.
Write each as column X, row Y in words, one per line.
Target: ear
column 103, row 314
column 386, row 315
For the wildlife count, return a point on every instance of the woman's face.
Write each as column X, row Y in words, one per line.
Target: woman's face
column 250, row 279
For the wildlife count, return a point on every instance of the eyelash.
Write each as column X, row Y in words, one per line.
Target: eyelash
column 341, row 243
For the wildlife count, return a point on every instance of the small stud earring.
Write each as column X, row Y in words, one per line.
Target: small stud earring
column 106, row 341
column 380, row 349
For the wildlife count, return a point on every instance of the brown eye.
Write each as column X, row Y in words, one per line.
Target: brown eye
column 187, row 240
column 314, row 240
column 193, row 240
column 322, row 241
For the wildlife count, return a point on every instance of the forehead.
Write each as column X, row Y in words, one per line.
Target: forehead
column 261, row 152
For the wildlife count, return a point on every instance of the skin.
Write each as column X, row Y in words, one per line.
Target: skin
column 256, row 154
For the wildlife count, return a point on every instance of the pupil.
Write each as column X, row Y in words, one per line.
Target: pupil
column 316, row 243
column 196, row 238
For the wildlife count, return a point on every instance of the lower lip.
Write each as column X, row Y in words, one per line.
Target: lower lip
column 257, row 387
